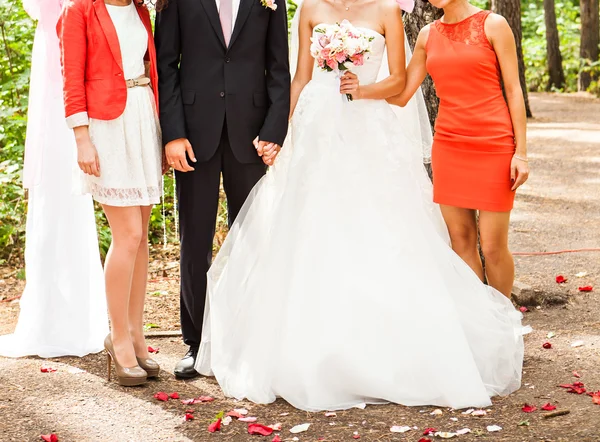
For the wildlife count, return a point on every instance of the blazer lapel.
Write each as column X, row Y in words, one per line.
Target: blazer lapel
column 243, row 13
column 210, row 6
column 109, row 30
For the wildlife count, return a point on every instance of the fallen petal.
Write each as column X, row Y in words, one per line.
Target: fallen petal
column 263, row 430
column 356, row 435
column 528, row 408
column 399, row 429
column 437, row 412
column 429, row 431
column 577, row 375
column 463, row 431
column 550, row 335
column 548, row 407
column 276, row 439
column 547, row 345
column 153, row 350
column 523, row 309
column 445, row 435
column 300, row 428
column 581, row 274
column 276, row 427
column 479, row 413
column 493, row 428
column 215, row 426
column 469, row 411
column 424, row 439
column 331, row 414
column 596, row 398
column 247, row 419
column 560, row 279
column 587, row 288
column 161, row 396
column 47, row 369
column 189, row 417
column 49, row 437
column 227, row 420
column 174, row 395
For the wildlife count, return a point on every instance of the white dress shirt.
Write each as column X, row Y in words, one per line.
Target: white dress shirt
column 235, row 7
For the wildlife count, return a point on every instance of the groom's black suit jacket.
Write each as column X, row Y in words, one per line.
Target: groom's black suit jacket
column 202, row 82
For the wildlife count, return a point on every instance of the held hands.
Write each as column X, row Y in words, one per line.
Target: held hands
column 268, row 151
column 87, row 156
column 519, row 171
column 175, row 152
column 350, row 85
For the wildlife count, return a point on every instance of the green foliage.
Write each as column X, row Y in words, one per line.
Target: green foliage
column 16, row 41
column 534, row 42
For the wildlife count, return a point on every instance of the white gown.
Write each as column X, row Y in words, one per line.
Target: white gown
column 336, row 285
column 63, row 308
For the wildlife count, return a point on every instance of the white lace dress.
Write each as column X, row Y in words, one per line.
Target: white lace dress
column 129, row 147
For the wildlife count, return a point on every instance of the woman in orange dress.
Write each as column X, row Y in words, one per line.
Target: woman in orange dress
column 479, row 155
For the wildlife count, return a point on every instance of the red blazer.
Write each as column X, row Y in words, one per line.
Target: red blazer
column 94, row 85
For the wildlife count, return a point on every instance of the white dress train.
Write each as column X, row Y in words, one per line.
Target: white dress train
column 336, row 285
column 63, row 307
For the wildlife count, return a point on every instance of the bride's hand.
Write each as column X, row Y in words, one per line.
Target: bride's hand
column 350, row 85
column 87, row 155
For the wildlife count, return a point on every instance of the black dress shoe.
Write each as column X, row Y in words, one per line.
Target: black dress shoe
column 185, row 368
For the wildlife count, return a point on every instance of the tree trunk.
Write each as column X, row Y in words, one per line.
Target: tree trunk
column 511, row 10
column 590, row 36
column 423, row 14
column 555, row 68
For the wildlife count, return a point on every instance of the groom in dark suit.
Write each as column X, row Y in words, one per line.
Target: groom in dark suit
column 224, row 87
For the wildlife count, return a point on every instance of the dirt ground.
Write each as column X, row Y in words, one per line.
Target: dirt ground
column 559, row 209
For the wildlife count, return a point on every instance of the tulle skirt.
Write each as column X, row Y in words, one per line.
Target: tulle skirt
column 337, row 287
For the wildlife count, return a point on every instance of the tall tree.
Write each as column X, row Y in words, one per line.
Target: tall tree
column 555, row 67
column 590, row 39
column 423, row 14
column 511, row 10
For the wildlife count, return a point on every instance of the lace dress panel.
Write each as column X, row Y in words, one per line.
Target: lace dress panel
column 470, row 31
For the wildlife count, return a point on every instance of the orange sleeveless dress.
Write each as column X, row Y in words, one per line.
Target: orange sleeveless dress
column 474, row 139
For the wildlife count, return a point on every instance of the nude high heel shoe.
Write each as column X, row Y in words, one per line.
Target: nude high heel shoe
column 150, row 365
column 126, row 376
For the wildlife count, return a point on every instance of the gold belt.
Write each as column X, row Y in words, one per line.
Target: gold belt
column 140, row 81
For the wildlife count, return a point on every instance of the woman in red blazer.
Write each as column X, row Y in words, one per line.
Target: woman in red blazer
column 110, row 84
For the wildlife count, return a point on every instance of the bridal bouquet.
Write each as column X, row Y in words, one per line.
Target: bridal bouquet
column 335, row 47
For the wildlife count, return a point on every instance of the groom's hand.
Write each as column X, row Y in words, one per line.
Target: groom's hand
column 176, row 150
column 268, row 151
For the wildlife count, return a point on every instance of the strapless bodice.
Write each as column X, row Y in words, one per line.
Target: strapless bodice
column 368, row 72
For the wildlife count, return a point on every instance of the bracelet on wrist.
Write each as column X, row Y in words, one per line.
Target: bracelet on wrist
column 521, row 158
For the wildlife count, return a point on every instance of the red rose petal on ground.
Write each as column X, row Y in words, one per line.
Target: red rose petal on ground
column 577, row 375
column 205, row 399
column 174, row 395
column 560, row 279
column 547, row 345
column 428, row 431
column 523, row 309
column 189, row 417
column 578, row 384
column 528, row 408
column 160, row 396
column 424, row 439
column 276, row 439
column 49, row 437
column 576, row 390
column 235, row 414
column 215, row 426
column 587, row 288
column 153, row 350
column 566, row 385
column 47, row 369
column 596, row 398
column 263, row 430
column 356, row 436
column 548, row 407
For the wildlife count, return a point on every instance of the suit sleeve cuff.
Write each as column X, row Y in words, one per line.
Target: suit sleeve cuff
column 78, row 119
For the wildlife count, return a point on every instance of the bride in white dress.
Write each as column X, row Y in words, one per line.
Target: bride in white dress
column 336, row 285
column 63, row 308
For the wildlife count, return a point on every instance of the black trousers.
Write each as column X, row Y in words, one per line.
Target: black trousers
column 198, row 196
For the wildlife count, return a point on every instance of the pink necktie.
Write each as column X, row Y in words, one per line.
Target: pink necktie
column 226, row 16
